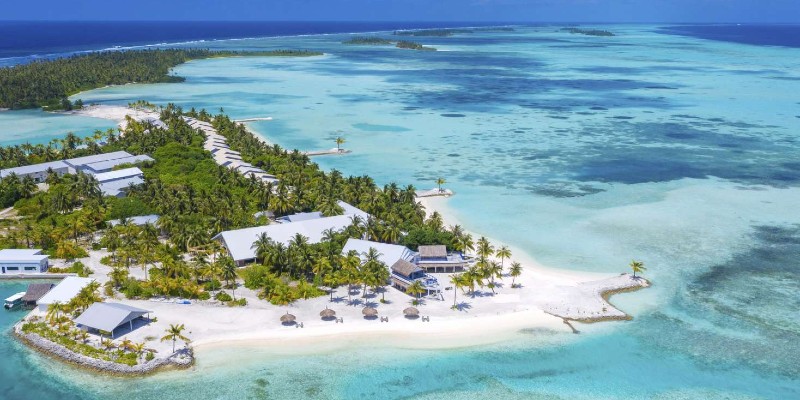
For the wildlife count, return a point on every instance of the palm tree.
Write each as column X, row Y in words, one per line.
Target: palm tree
column 415, row 289
column 456, row 280
column 515, row 271
column 637, row 266
column 175, row 333
column 339, row 141
column 465, row 243
column 229, row 274
column 262, row 246
column 503, row 252
column 54, row 311
column 485, row 249
column 440, row 182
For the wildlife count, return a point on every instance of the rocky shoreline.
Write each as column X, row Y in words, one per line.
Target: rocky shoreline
column 181, row 359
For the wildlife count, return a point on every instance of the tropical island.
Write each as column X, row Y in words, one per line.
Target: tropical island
column 218, row 236
column 588, row 32
column 378, row 41
column 48, row 84
column 368, row 40
column 444, row 32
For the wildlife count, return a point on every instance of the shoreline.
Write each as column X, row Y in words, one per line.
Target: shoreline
column 481, row 319
column 181, row 359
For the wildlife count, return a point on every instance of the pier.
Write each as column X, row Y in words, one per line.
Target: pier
column 326, row 152
column 254, row 119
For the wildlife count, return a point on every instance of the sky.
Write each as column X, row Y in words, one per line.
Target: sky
column 739, row 11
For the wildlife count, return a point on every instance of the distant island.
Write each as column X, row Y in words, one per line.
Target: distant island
column 378, row 41
column 368, row 40
column 450, row 31
column 48, row 84
column 588, row 32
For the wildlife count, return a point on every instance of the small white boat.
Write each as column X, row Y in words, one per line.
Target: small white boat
column 14, row 300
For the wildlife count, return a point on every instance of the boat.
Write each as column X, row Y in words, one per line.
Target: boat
column 13, row 301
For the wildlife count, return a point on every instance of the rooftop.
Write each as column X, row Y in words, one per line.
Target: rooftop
column 436, row 251
column 118, row 174
column 108, row 164
column 22, row 255
column 66, row 290
column 81, row 161
column 30, row 169
column 389, row 253
column 405, row 268
column 239, row 241
column 36, row 291
column 115, row 187
column 138, row 220
column 108, row 316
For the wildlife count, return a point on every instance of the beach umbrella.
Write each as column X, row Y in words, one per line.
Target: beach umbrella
column 369, row 312
column 288, row 318
column 411, row 312
column 327, row 313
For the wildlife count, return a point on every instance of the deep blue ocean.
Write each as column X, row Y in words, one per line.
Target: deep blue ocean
column 43, row 38
column 760, row 35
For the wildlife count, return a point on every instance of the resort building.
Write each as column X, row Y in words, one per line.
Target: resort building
column 35, row 292
column 108, row 317
column 38, row 172
column 239, row 242
column 97, row 165
column 65, row 291
column 115, row 183
column 404, row 274
column 436, row 259
column 23, row 261
column 138, row 220
column 389, row 253
column 400, row 261
column 108, row 165
column 300, row 217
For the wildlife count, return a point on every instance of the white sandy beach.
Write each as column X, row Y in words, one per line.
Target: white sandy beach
column 485, row 318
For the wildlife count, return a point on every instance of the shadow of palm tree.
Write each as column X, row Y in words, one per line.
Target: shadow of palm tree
column 372, row 304
column 356, row 302
column 339, row 299
column 462, row 306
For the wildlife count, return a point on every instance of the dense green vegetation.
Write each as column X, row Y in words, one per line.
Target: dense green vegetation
column 368, row 40
column 49, row 83
column 588, row 32
column 403, row 44
column 443, row 32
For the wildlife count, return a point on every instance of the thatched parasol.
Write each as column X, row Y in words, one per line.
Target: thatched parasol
column 411, row 312
column 288, row 318
column 327, row 313
column 369, row 312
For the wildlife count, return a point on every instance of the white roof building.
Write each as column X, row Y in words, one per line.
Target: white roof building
column 389, row 253
column 138, row 220
column 37, row 171
column 81, row 161
column 118, row 174
column 108, row 165
column 240, row 241
column 65, row 291
column 109, row 316
column 23, row 261
column 118, row 188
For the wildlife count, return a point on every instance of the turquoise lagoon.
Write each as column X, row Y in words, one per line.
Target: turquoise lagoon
column 584, row 152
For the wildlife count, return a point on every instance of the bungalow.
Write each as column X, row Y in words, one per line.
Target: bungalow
column 80, row 163
column 138, row 220
column 38, row 172
column 436, row 259
column 23, row 261
column 404, row 274
column 108, row 165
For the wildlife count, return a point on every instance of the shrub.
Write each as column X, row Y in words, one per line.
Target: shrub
column 204, row 296
column 223, row 297
column 150, row 356
column 212, row 285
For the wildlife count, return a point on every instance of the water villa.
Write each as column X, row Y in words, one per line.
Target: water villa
column 23, row 261
column 35, row 292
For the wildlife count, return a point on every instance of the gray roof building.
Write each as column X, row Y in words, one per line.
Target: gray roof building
column 109, row 316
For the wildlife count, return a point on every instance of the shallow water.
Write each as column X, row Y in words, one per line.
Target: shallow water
column 583, row 151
